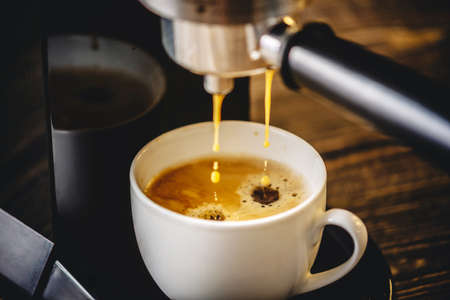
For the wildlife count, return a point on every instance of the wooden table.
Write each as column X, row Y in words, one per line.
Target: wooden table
column 403, row 200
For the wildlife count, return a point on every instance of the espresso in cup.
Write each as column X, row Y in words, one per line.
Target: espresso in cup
column 186, row 188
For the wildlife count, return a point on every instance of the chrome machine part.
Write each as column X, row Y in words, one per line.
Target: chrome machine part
column 224, row 12
column 223, row 50
column 272, row 43
column 219, row 37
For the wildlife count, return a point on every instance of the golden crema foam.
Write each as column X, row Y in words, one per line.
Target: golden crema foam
column 186, row 189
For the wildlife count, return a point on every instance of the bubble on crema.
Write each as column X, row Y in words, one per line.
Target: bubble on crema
column 208, row 211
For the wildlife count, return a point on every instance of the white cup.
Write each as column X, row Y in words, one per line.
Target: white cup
column 266, row 258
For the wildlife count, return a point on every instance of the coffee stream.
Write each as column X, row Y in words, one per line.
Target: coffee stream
column 265, row 180
column 217, row 108
column 267, row 103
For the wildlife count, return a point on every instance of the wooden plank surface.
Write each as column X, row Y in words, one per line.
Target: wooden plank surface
column 403, row 200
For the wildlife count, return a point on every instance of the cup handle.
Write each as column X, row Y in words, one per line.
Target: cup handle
column 357, row 230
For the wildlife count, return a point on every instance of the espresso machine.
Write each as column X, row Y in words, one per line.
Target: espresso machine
column 227, row 39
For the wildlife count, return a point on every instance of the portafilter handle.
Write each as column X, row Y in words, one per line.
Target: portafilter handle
column 395, row 98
